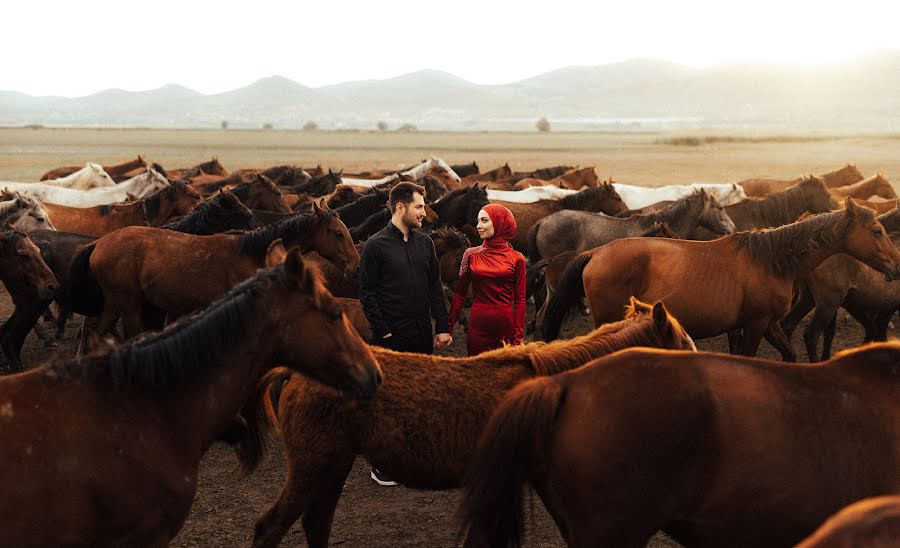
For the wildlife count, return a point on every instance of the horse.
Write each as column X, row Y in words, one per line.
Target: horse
column 319, row 186
column 545, row 173
column 876, row 185
column 105, row 450
column 598, row 199
column 86, row 178
column 212, row 167
column 759, row 187
column 580, row 231
column 115, row 171
column 779, row 209
column 261, row 193
column 574, row 179
column 494, row 175
column 220, row 213
column 878, row 207
column 23, row 212
column 380, row 219
column 342, row 195
column 362, row 208
column 175, row 200
column 714, row 450
column 873, row 522
column 744, row 280
column 422, row 424
column 531, row 194
column 638, row 196
column 464, row 170
column 142, row 272
column 138, row 187
column 31, row 285
column 459, row 208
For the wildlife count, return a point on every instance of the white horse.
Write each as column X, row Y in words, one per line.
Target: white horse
column 23, row 213
column 137, row 187
column 636, row 197
column 90, row 176
column 531, row 194
column 416, row 173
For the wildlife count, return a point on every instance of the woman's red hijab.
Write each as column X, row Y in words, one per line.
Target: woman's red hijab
column 504, row 223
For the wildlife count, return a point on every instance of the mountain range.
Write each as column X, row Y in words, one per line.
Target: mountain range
column 640, row 94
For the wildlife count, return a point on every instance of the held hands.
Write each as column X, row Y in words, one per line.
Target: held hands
column 442, row 340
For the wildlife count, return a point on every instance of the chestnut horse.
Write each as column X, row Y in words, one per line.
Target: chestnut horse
column 873, row 522
column 574, row 179
column 422, row 424
column 745, row 280
column 143, row 271
column 876, row 185
column 105, row 450
column 501, row 173
column 261, row 193
column 175, row 200
column 31, row 285
column 117, row 172
column 212, row 167
column 714, row 450
column 759, row 187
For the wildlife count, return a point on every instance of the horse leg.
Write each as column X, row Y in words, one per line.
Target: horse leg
column 7, row 342
column 779, row 340
column 753, row 334
column 828, row 337
column 313, row 485
column 801, row 307
column 735, row 341
column 823, row 313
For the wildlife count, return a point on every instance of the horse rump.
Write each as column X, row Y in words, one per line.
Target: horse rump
column 566, row 297
column 83, row 295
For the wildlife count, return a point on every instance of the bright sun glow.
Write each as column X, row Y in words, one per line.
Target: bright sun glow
column 77, row 48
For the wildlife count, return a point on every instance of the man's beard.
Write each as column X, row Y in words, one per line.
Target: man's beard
column 412, row 221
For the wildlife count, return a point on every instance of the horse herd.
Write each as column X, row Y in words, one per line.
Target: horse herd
column 222, row 306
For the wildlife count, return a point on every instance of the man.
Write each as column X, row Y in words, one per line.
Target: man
column 399, row 279
column 400, row 284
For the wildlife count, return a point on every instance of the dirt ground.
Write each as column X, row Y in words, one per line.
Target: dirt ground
column 227, row 505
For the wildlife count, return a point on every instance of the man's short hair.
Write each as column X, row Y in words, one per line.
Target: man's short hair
column 402, row 193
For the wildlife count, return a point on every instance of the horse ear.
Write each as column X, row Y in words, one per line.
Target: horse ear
column 317, row 207
column 851, row 207
column 275, row 254
column 296, row 268
column 660, row 315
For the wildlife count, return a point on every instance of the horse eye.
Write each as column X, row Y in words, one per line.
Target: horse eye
column 878, row 233
column 21, row 253
column 335, row 314
column 339, row 234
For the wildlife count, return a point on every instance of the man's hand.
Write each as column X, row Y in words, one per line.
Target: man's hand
column 442, row 340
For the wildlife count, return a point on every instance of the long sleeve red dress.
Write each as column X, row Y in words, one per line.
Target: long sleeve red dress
column 496, row 273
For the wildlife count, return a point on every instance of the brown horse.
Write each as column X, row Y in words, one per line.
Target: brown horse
column 118, row 172
column 155, row 210
column 873, row 522
column 421, row 426
column 143, row 271
column 759, row 187
column 714, row 450
column 31, row 285
column 212, row 167
column 599, row 199
column 879, row 207
column 105, row 450
column 745, row 280
column 876, row 185
column 844, row 176
column 574, row 179
column 262, row 194
column 499, row 174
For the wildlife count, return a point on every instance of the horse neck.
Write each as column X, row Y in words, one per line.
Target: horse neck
column 683, row 217
column 121, row 169
column 779, row 209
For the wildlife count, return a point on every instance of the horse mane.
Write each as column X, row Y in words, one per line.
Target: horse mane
column 200, row 220
column 255, row 243
column 676, row 209
column 780, row 250
column 183, row 351
column 782, row 207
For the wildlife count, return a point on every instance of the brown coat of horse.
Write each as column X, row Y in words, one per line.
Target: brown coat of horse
column 759, row 187
column 574, row 179
column 873, row 522
column 118, row 172
column 714, row 450
column 745, row 280
column 154, row 210
column 876, row 185
column 422, row 425
column 142, row 269
column 105, row 450
column 492, row 176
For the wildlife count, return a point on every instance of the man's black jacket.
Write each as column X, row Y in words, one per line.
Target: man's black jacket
column 399, row 283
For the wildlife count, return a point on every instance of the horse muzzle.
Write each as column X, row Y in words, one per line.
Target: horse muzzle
column 47, row 292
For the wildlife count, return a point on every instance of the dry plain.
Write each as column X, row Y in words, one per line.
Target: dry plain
column 227, row 505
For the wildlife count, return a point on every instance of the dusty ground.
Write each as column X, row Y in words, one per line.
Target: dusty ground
column 369, row 515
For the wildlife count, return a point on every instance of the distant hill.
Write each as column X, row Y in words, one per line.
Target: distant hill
column 641, row 94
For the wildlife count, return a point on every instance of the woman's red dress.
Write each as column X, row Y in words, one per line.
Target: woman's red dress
column 496, row 273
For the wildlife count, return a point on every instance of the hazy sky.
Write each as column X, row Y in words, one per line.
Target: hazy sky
column 76, row 48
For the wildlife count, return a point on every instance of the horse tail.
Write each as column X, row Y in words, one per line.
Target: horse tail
column 512, row 446
column 259, row 412
column 534, row 254
column 566, row 297
column 84, row 295
column 270, row 388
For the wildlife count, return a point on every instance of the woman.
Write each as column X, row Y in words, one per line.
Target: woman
column 497, row 274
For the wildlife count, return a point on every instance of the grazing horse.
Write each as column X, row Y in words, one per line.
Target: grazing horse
column 261, row 193
column 745, row 280
column 175, row 200
column 574, row 179
column 873, row 522
column 599, row 199
column 579, row 231
column 31, row 285
column 876, row 185
column 23, row 212
column 141, row 270
column 105, row 450
column 138, row 187
column 714, row 450
column 116, row 172
column 422, row 424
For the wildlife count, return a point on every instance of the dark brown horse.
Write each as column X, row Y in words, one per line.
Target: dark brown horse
column 745, row 280
column 31, row 285
column 873, row 522
column 714, row 450
column 261, row 193
column 501, row 173
column 574, row 179
column 212, row 167
column 142, row 270
column 154, row 210
column 421, row 426
column 105, row 451
column 118, row 172
column 599, row 199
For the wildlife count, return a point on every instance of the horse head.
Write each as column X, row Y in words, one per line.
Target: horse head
column 867, row 240
column 714, row 217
